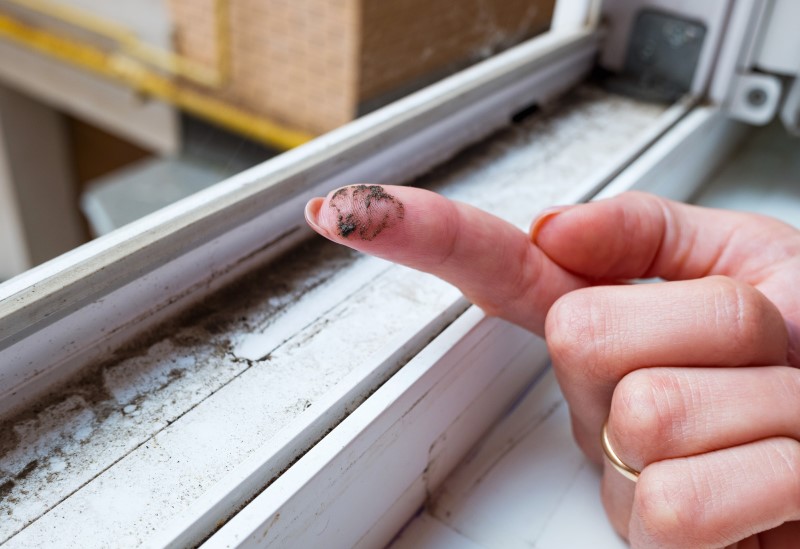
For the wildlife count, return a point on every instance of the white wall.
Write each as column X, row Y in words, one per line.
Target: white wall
column 148, row 19
column 13, row 253
column 38, row 212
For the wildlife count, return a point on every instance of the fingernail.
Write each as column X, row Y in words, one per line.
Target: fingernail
column 312, row 214
column 544, row 216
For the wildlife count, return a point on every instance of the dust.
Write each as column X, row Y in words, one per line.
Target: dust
column 161, row 374
column 506, row 171
column 6, row 488
column 365, row 210
column 28, row 469
column 8, row 485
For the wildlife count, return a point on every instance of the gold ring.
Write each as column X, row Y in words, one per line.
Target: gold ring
column 613, row 459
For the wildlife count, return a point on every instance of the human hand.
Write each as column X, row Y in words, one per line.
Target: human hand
column 698, row 378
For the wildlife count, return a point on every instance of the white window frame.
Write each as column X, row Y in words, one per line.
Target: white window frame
column 51, row 314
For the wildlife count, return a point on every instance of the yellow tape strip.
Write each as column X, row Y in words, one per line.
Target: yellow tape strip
column 135, row 75
column 131, row 44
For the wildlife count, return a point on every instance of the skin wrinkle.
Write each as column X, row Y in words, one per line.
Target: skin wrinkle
column 628, row 228
column 699, row 391
column 670, row 406
column 738, row 471
column 719, row 253
column 708, row 310
column 454, row 230
column 673, row 229
column 602, row 328
column 637, row 397
column 727, row 310
column 663, row 508
column 661, row 221
column 632, row 224
column 787, row 460
column 731, row 402
column 619, row 321
column 701, row 491
column 773, row 290
column 641, row 420
column 525, row 283
column 651, row 399
column 597, row 342
column 679, row 399
column 567, row 337
column 740, row 312
column 666, row 407
column 669, row 232
column 789, row 387
column 786, row 463
column 763, row 261
column 521, row 285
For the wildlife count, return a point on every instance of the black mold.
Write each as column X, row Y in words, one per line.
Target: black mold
column 365, row 210
column 28, row 469
column 6, row 488
column 346, row 225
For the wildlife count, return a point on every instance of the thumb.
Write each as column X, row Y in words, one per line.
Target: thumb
column 492, row 262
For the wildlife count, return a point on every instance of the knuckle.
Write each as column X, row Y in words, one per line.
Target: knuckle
column 569, row 331
column 668, row 508
column 783, row 457
column 788, row 385
column 749, row 319
column 647, row 413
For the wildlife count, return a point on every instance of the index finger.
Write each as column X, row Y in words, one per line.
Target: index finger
column 492, row 262
column 637, row 235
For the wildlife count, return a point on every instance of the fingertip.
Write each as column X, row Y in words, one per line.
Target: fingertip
column 544, row 216
column 312, row 215
column 355, row 215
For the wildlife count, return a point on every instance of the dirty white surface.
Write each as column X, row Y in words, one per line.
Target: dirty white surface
column 144, row 434
column 764, row 178
column 153, row 465
column 527, row 485
column 545, row 160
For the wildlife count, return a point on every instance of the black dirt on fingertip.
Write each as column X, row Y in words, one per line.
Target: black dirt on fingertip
column 365, row 210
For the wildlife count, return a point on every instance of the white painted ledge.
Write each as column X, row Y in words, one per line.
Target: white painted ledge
column 525, row 485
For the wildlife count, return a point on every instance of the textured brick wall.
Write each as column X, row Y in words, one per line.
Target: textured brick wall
column 293, row 61
column 194, row 29
column 297, row 59
column 406, row 41
column 311, row 63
